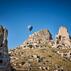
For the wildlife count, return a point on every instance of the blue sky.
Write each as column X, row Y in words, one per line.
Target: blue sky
column 16, row 15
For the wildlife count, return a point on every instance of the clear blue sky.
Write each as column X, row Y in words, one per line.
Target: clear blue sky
column 16, row 15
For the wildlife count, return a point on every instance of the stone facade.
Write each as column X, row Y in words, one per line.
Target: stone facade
column 4, row 57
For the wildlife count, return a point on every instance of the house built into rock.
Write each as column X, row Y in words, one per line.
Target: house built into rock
column 36, row 53
column 62, row 38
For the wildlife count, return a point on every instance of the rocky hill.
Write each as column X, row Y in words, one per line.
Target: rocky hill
column 40, row 53
column 63, row 38
column 37, row 39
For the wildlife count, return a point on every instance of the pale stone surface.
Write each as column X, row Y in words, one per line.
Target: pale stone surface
column 63, row 38
column 38, row 38
column 63, row 32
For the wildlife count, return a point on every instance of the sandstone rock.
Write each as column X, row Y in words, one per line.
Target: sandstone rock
column 38, row 38
column 63, row 38
column 37, row 54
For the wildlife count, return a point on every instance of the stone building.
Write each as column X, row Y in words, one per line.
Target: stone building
column 4, row 57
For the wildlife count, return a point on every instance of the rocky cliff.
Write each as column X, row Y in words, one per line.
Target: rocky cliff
column 37, row 54
column 37, row 39
column 62, row 38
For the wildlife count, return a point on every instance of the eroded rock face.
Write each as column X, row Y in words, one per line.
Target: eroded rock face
column 23, row 56
column 63, row 32
column 38, row 38
column 35, row 54
column 62, row 38
column 4, row 57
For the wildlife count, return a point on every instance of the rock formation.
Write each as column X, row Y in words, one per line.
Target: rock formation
column 62, row 38
column 38, row 39
column 37, row 54
column 4, row 57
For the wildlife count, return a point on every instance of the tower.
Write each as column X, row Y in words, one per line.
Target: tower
column 4, row 57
